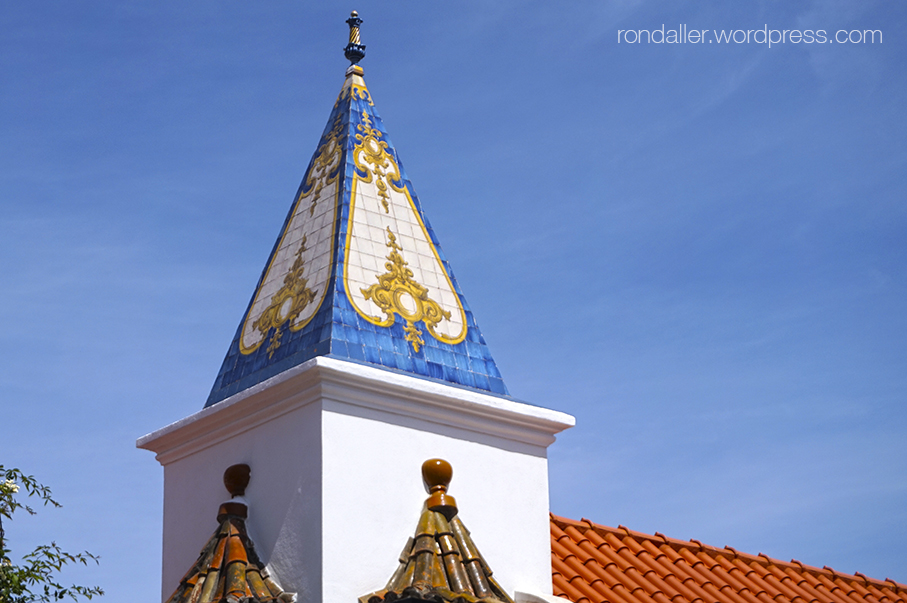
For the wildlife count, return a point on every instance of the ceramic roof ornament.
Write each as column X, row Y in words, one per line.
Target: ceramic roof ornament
column 228, row 569
column 357, row 272
column 440, row 563
column 354, row 51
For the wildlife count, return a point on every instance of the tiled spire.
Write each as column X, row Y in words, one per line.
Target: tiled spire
column 228, row 570
column 357, row 272
column 440, row 563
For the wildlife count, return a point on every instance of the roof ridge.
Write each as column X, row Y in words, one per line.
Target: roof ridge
column 760, row 558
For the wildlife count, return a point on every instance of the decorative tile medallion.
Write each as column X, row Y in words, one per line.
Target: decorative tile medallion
column 379, row 203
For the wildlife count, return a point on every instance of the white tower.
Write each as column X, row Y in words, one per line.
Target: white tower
column 356, row 360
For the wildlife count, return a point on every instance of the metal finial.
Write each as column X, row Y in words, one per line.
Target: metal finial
column 354, row 51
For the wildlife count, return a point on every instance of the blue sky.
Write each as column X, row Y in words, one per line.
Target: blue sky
column 709, row 241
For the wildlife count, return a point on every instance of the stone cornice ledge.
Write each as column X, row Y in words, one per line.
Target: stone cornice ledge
column 358, row 385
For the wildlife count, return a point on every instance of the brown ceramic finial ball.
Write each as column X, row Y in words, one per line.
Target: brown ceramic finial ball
column 236, row 479
column 436, row 473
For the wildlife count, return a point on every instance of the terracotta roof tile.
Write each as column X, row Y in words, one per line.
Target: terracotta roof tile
column 228, row 570
column 593, row 563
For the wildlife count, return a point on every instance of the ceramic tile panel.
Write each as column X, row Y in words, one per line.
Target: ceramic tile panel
column 357, row 271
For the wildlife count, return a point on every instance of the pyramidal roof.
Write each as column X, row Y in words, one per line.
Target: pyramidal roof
column 228, row 569
column 440, row 563
column 357, row 272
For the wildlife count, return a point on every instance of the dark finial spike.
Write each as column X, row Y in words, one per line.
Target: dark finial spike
column 354, row 51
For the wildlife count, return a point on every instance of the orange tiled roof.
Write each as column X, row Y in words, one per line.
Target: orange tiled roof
column 592, row 563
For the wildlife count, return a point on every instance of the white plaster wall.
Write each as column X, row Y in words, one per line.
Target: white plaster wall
column 373, row 495
column 336, row 451
column 284, row 498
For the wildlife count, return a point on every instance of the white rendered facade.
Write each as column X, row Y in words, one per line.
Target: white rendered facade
column 335, row 449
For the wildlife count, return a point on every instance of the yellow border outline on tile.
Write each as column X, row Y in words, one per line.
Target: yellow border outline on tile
column 346, row 254
column 334, row 137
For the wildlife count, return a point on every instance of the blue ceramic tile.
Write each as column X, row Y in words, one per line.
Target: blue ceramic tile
column 371, row 355
column 467, row 379
column 384, row 340
column 461, row 362
column 351, row 334
column 356, row 352
column 420, row 366
column 338, row 348
column 481, row 381
column 497, row 386
column 387, row 358
column 307, row 339
column 401, row 346
column 349, row 317
column 405, row 363
column 368, row 338
column 435, row 370
column 447, row 358
column 433, row 354
column 492, row 370
column 476, row 365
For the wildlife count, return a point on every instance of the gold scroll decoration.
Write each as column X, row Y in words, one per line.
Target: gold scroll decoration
column 326, row 159
column 279, row 310
column 376, row 161
column 287, row 303
column 397, row 293
column 361, row 93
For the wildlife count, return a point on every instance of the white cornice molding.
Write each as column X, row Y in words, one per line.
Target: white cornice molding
column 362, row 386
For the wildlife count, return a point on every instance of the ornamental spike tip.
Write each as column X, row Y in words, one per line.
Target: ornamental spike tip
column 355, row 50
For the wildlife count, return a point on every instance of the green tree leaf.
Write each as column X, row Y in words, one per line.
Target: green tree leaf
column 35, row 580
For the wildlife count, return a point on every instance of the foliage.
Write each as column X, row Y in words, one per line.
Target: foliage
column 35, row 579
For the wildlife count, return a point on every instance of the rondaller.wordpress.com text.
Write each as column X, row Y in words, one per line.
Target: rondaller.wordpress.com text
column 686, row 35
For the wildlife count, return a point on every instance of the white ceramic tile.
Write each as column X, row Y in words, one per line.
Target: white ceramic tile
column 368, row 250
column 317, row 232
